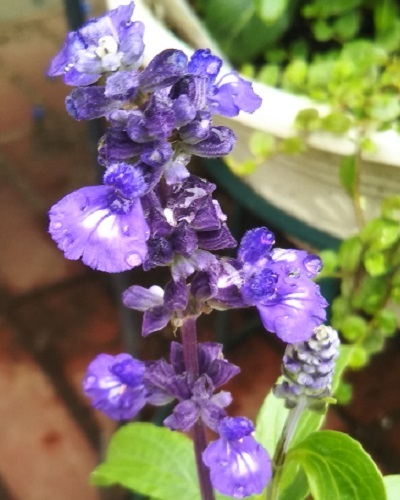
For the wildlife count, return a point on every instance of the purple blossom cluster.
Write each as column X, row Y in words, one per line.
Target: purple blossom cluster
column 150, row 211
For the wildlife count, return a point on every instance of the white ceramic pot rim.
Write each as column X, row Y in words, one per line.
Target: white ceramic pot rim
column 279, row 109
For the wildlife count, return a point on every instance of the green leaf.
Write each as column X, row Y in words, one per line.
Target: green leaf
column 347, row 26
column 384, row 107
column 337, row 467
column 380, row 234
column 376, row 263
column 370, row 294
column 386, row 322
column 152, row 461
column 339, row 123
column 269, row 74
column 262, row 144
column 238, row 29
column 353, row 327
column 330, row 262
column 295, row 75
column 350, row 254
column 293, row 484
column 347, row 173
column 392, row 486
column 307, row 120
column 270, row 10
column 359, row 358
column 391, row 208
column 270, row 421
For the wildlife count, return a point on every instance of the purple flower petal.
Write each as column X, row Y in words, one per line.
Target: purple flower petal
column 219, row 142
column 183, row 416
column 142, row 299
column 234, row 94
column 89, row 103
column 163, row 70
column 93, row 224
column 239, row 466
column 115, row 385
column 155, row 319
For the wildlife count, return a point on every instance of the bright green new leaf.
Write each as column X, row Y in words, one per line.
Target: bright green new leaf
column 338, row 468
column 347, row 173
column 152, row 461
column 392, row 486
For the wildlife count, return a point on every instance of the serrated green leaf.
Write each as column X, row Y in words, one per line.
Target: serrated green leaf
column 392, row 486
column 152, row 461
column 337, row 467
column 347, row 173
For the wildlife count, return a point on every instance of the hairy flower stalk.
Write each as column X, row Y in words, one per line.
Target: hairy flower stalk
column 151, row 211
column 307, row 370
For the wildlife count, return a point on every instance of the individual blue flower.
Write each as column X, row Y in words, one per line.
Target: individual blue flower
column 115, row 385
column 239, row 466
column 196, row 399
column 102, row 45
column 104, row 225
column 159, row 306
column 278, row 282
column 228, row 96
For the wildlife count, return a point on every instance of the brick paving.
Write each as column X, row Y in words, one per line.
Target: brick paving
column 55, row 315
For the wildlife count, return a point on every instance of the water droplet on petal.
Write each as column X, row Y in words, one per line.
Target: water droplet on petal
column 133, row 259
column 125, row 230
column 313, row 265
column 67, row 242
column 56, row 225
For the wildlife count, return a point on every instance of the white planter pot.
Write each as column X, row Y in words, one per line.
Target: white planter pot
column 304, row 186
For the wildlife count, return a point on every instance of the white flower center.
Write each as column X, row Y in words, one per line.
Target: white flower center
column 106, row 45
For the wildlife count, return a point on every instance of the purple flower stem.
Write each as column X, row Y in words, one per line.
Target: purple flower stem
column 190, row 355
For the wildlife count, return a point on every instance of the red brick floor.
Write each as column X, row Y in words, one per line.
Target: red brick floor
column 55, row 315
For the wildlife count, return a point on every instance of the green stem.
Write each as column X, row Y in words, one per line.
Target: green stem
column 283, row 445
